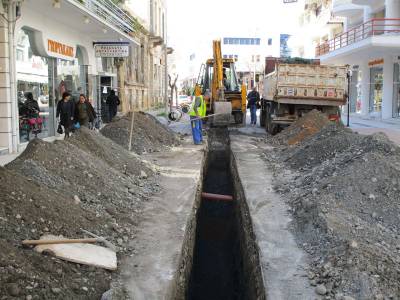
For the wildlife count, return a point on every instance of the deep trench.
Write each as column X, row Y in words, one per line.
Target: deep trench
column 225, row 258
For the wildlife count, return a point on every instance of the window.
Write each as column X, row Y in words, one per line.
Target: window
column 252, row 41
column 258, row 58
column 252, row 58
column 20, row 55
column 225, row 56
column 226, row 41
column 257, row 42
column 269, row 42
column 236, row 56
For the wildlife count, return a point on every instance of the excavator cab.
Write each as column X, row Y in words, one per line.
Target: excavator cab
column 219, row 85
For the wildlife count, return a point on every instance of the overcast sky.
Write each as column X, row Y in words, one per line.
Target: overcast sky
column 195, row 23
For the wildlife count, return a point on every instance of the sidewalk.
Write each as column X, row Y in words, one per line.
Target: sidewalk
column 364, row 125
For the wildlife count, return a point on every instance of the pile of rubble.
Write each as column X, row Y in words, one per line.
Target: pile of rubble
column 86, row 181
column 344, row 192
column 149, row 135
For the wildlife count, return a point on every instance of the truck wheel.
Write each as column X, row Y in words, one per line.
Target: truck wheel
column 270, row 127
column 238, row 117
column 262, row 117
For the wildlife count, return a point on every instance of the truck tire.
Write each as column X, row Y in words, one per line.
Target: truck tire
column 238, row 117
column 270, row 127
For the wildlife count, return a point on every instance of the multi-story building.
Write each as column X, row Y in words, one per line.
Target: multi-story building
column 80, row 46
column 369, row 44
column 147, row 79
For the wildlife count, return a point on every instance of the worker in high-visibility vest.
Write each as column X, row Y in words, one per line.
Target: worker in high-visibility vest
column 197, row 111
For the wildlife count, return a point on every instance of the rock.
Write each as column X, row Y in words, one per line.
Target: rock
column 320, row 289
column 18, row 216
column 85, row 289
column 90, row 175
column 56, row 290
column 311, row 275
column 353, row 244
column 373, row 179
column 379, row 297
column 372, row 197
column 313, row 282
column 143, row 174
column 347, row 298
column 107, row 295
column 76, row 199
column 119, row 241
column 111, row 210
column 13, row 289
column 28, row 297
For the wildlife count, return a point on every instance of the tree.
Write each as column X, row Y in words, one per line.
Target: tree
column 174, row 89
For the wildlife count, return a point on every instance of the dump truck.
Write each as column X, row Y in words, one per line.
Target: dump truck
column 293, row 89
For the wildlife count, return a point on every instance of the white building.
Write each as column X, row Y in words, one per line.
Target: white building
column 370, row 44
column 51, row 49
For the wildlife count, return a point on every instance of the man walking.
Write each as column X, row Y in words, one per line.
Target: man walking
column 112, row 102
column 197, row 111
column 253, row 98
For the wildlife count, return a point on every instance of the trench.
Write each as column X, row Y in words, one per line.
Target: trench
column 224, row 262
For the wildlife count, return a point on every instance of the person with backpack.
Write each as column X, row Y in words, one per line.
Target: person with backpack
column 66, row 113
column 84, row 112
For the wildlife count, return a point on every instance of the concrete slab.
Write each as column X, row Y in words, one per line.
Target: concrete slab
column 153, row 273
column 284, row 264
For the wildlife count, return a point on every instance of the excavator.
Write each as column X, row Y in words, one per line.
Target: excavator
column 218, row 84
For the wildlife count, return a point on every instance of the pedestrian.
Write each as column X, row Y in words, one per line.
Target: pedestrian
column 112, row 101
column 66, row 112
column 30, row 108
column 84, row 112
column 253, row 100
column 197, row 111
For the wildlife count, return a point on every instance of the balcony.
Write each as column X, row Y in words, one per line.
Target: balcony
column 346, row 8
column 368, row 30
column 111, row 14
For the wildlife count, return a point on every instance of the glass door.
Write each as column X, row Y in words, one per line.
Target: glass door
column 376, row 93
column 396, row 91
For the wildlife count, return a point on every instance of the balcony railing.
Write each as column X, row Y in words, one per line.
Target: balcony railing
column 112, row 14
column 374, row 27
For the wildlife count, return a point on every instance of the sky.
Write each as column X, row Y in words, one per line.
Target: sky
column 193, row 24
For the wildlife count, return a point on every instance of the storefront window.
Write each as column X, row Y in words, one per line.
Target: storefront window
column 32, row 78
column 396, row 91
column 376, row 93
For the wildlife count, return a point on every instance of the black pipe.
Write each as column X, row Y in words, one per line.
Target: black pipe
column 348, row 97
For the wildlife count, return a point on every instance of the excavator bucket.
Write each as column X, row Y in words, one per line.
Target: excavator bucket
column 222, row 113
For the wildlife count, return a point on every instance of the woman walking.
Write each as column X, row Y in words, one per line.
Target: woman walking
column 66, row 112
column 84, row 112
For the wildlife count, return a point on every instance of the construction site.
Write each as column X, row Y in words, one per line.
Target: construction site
column 119, row 181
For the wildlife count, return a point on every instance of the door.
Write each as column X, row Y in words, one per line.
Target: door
column 376, row 92
column 396, row 91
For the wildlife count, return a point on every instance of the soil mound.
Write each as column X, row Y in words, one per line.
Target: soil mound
column 346, row 203
column 149, row 135
column 84, row 182
column 303, row 128
column 28, row 210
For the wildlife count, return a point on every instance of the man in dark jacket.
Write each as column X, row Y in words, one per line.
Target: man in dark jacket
column 31, row 107
column 112, row 102
column 253, row 99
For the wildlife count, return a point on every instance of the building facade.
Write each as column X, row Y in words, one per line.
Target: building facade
column 369, row 44
column 49, row 47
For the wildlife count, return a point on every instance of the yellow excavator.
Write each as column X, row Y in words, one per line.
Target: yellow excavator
column 219, row 85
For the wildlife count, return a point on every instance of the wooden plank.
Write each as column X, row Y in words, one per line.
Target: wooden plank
column 86, row 254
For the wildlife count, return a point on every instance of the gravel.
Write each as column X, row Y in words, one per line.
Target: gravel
column 149, row 135
column 343, row 189
column 86, row 182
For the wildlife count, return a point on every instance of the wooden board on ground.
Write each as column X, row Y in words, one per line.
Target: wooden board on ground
column 86, row 254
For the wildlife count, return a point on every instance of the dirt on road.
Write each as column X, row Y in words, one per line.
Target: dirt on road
column 149, row 135
column 343, row 189
column 86, row 182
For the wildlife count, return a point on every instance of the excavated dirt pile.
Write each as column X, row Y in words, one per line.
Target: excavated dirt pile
column 85, row 182
column 149, row 135
column 344, row 190
column 303, row 128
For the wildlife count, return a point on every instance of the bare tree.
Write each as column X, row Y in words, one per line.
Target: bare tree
column 174, row 88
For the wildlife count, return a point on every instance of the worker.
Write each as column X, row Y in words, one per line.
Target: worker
column 253, row 101
column 197, row 111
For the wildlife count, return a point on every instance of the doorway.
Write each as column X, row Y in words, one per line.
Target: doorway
column 376, row 91
column 396, row 91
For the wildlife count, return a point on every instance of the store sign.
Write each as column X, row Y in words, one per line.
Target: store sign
column 60, row 50
column 376, row 62
column 111, row 49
